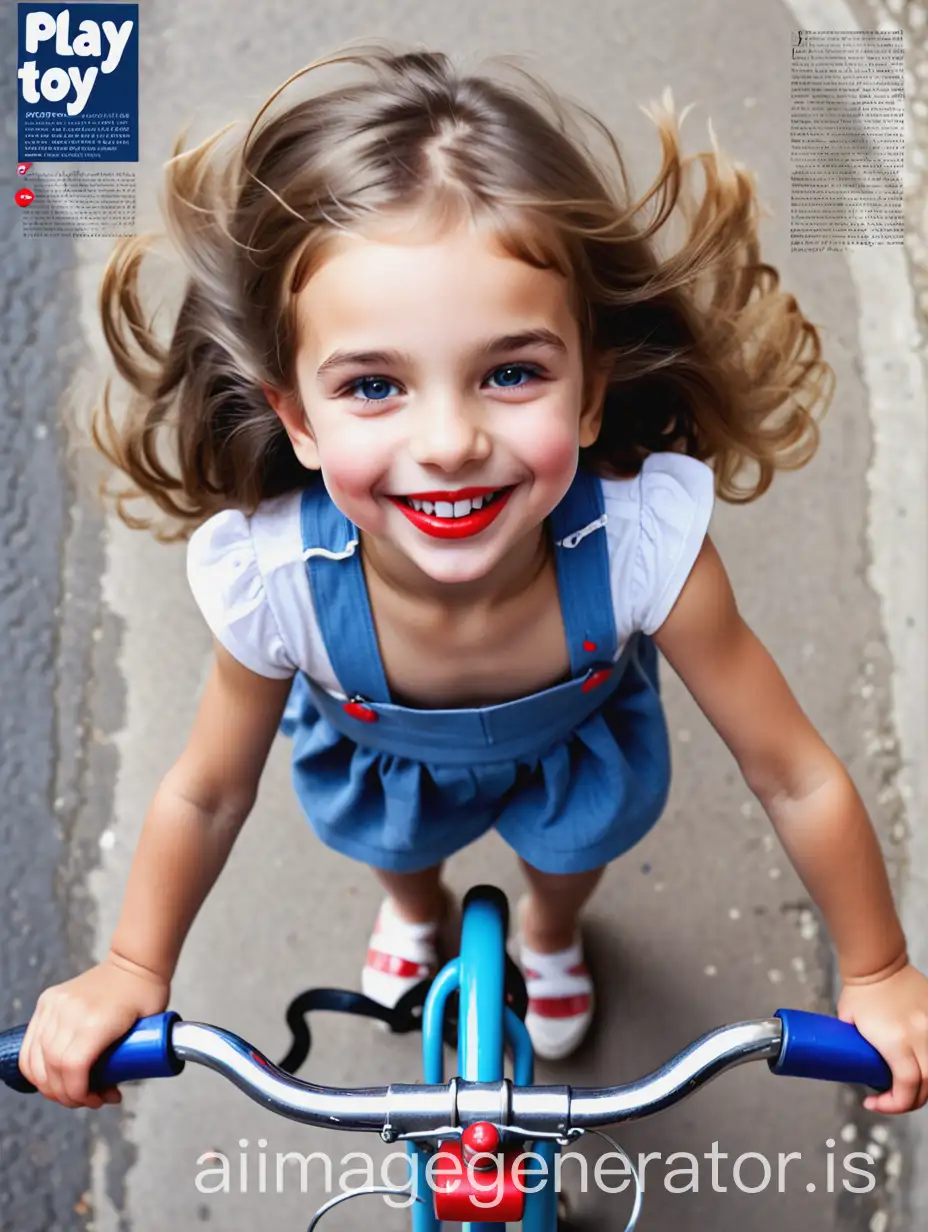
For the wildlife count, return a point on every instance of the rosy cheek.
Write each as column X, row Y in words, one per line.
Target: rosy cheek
column 553, row 450
column 352, row 467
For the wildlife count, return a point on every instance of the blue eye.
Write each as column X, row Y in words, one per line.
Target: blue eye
column 378, row 388
column 518, row 369
column 377, row 385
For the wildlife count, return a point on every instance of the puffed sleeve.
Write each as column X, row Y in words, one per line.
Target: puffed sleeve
column 225, row 576
column 676, row 495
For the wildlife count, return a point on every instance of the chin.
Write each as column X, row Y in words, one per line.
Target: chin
column 455, row 567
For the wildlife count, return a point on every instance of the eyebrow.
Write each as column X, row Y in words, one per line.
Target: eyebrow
column 506, row 342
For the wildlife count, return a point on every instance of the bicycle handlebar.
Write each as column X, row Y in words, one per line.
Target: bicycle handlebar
column 793, row 1042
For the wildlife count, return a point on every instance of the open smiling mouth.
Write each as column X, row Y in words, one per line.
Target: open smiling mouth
column 461, row 515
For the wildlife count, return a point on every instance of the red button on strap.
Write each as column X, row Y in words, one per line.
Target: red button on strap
column 589, row 646
column 359, row 711
column 595, row 680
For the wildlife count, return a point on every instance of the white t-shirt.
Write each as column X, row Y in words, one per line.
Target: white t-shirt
column 251, row 583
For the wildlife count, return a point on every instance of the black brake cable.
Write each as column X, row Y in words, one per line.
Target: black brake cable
column 401, row 1018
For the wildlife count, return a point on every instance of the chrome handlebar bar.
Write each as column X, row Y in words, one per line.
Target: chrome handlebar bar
column 404, row 1110
column 793, row 1042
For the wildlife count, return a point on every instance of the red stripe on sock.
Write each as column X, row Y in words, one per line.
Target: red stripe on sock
column 560, row 1007
column 392, row 964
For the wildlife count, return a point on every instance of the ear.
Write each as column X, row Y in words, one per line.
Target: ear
column 289, row 411
column 596, row 383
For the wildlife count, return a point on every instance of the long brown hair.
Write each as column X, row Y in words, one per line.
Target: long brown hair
column 709, row 356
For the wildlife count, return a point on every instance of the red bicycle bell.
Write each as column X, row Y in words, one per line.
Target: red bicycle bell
column 475, row 1182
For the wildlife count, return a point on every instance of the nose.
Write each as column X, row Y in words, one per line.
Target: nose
column 449, row 433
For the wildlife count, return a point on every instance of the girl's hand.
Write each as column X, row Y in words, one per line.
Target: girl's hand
column 892, row 1014
column 76, row 1021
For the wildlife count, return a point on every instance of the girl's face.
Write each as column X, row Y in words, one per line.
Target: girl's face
column 444, row 373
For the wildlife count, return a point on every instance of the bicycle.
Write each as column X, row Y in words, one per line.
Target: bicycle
column 488, row 1142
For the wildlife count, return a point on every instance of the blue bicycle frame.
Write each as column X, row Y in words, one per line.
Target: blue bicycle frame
column 486, row 1025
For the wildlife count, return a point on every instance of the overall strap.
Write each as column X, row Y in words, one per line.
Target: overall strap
column 339, row 591
column 582, row 558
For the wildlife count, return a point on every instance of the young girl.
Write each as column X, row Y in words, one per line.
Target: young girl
column 443, row 419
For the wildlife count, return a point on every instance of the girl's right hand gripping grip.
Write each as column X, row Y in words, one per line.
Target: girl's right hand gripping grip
column 817, row 1046
column 144, row 1052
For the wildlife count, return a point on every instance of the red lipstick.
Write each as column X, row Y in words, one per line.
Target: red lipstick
column 454, row 528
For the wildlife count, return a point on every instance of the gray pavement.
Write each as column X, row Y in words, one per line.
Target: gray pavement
column 703, row 923
column 44, row 1157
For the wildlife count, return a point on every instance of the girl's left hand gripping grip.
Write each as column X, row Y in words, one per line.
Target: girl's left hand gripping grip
column 817, row 1046
column 143, row 1052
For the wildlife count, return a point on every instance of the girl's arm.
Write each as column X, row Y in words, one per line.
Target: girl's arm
column 816, row 811
column 189, row 831
column 196, row 814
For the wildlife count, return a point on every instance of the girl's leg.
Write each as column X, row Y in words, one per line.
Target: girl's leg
column 560, row 990
column 550, row 912
column 419, row 897
column 403, row 948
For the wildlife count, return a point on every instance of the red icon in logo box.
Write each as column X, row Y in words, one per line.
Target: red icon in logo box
column 24, row 197
column 23, row 168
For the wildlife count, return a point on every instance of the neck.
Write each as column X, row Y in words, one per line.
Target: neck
column 510, row 577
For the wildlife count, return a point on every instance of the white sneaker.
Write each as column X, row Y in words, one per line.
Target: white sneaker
column 561, row 999
column 399, row 956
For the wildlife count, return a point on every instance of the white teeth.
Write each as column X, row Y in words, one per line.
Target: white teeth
column 457, row 509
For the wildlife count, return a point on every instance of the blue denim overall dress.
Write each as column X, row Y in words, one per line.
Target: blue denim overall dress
column 571, row 776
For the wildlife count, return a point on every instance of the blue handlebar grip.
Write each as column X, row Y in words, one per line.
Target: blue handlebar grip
column 817, row 1046
column 143, row 1052
column 10, row 1043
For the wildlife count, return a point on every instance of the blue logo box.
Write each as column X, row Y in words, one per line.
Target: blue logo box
column 78, row 83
